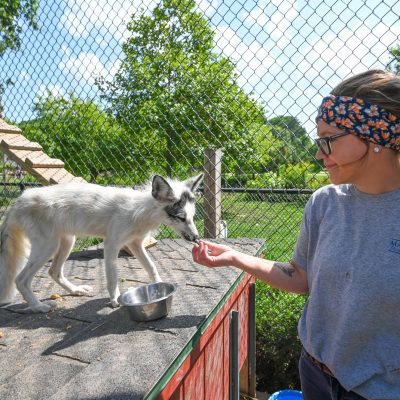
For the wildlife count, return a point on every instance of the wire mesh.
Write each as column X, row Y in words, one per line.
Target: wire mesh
column 120, row 90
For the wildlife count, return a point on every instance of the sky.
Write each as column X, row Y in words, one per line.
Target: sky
column 288, row 53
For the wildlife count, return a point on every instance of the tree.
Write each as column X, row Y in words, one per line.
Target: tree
column 294, row 144
column 175, row 96
column 11, row 13
column 85, row 137
column 394, row 63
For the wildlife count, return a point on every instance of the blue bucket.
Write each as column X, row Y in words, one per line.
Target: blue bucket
column 287, row 395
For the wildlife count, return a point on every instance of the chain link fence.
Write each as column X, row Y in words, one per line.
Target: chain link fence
column 121, row 90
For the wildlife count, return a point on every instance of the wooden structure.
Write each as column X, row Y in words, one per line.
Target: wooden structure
column 212, row 193
column 31, row 157
column 206, row 371
column 86, row 350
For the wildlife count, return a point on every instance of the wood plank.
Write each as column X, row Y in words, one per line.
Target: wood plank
column 218, row 322
column 60, row 176
column 19, row 156
column 42, row 160
column 52, row 175
column 178, row 394
column 212, row 192
column 194, row 382
column 243, row 308
column 18, row 142
column 214, row 366
column 4, row 127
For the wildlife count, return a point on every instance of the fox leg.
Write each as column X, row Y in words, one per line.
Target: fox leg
column 111, row 250
column 41, row 251
column 143, row 257
column 56, row 270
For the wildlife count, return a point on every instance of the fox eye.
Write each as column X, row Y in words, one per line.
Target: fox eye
column 177, row 217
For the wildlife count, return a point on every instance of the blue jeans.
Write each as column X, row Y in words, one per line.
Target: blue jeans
column 317, row 385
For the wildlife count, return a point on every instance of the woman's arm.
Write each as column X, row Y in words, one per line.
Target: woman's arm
column 286, row 276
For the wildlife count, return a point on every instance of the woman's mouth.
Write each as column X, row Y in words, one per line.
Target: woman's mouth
column 329, row 167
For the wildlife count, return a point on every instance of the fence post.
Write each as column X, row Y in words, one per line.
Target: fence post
column 212, row 193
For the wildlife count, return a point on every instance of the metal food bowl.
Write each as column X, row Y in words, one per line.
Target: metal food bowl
column 148, row 302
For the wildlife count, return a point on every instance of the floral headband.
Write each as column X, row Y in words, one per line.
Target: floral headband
column 363, row 119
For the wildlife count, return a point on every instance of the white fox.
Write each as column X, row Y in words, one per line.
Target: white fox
column 49, row 218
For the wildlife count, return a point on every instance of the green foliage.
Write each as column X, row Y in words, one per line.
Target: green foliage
column 178, row 97
column 292, row 143
column 270, row 180
column 302, row 175
column 315, row 180
column 394, row 63
column 11, row 12
column 86, row 138
column 278, row 346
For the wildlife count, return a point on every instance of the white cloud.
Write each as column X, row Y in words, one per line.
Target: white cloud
column 294, row 80
column 208, row 7
column 54, row 90
column 111, row 16
column 349, row 51
column 85, row 68
column 274, row 18
column 24, row 76
column 252, row 61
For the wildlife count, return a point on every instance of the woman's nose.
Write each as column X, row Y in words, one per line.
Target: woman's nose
column 319, row 155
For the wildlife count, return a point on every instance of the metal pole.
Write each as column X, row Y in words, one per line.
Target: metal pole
column 234, row 356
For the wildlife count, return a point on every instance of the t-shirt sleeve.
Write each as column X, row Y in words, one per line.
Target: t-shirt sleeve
column 300, row 254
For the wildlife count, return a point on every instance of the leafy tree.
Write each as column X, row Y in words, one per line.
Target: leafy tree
column 394, row 63
column 84, row 136
column 11, row 13
column 175, row 96
column 294, row 143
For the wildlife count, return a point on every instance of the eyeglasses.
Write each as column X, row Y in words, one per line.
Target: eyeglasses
column 324, row 143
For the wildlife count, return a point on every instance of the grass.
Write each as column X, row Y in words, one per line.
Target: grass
column 278, row 222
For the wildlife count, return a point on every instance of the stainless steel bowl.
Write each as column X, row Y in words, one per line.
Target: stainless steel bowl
column 148, row 302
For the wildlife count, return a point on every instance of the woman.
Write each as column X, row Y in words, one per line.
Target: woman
column 347, row 255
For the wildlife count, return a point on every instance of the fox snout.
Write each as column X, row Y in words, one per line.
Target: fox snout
column 191, row 237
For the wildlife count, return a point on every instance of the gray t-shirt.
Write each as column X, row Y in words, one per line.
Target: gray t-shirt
column 349, row 245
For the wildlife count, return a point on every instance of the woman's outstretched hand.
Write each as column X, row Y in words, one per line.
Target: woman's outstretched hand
column 213, row 254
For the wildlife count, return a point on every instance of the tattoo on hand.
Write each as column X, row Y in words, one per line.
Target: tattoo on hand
column 285, row 268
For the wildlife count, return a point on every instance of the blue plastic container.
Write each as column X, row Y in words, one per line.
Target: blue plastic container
column 286, row 395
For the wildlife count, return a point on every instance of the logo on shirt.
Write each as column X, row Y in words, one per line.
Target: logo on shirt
column 394, row 246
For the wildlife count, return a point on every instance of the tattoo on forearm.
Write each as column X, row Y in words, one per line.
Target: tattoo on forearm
column 286, row 268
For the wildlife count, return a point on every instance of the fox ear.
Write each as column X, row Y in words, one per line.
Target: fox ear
column 194, row 182
column 161, row 189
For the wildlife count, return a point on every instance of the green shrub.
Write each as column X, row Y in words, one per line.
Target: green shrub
column 278, row 346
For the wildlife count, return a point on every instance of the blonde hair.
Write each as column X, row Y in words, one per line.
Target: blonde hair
column 375, row 86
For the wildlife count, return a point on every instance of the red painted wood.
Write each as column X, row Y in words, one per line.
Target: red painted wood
column 194, row 384
column 226, row 376
column 214, row 367
column 178, row 394
column 243, row 308
column 209, row 360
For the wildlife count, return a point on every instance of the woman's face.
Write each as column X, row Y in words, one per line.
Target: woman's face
column 347, row 157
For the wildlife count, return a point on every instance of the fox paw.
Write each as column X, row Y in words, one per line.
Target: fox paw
column 83, row 290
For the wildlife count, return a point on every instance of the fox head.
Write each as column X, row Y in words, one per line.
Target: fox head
column 179, row 203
